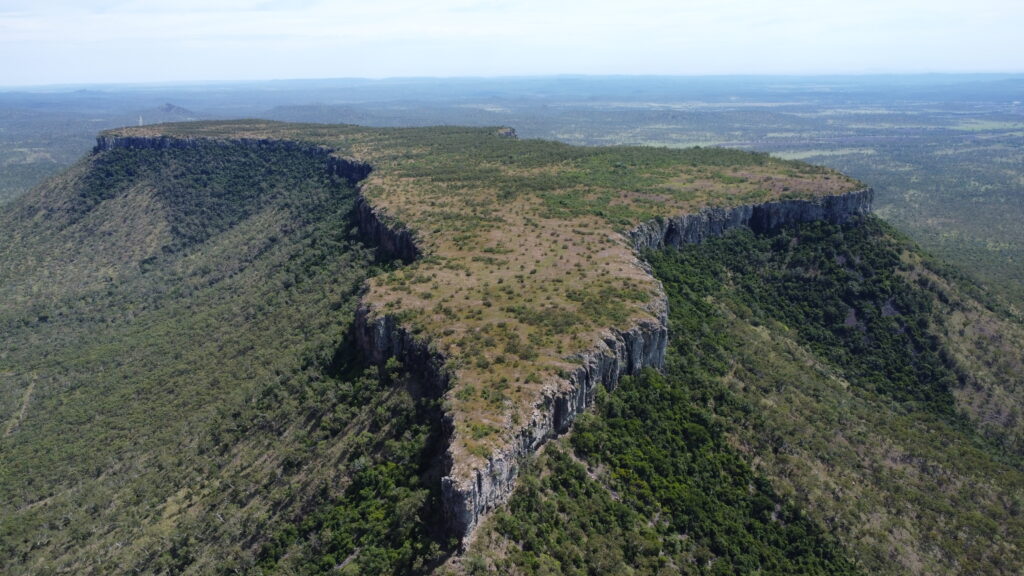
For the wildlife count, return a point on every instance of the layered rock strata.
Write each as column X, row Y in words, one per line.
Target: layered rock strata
column 469, row 496
column 715, row 221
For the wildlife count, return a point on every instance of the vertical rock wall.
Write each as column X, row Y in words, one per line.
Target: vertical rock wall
column 469, row 494
column 710, row 222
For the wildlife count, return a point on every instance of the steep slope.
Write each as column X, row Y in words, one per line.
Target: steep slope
column 194, row 285
column 172, row 321
column 816, row 383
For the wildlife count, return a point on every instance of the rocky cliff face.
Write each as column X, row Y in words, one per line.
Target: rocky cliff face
column 470, row 496
column 392, row 240
column 710, row 222
column 470, row 493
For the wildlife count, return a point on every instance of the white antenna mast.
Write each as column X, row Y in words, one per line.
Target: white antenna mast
column 140, row 119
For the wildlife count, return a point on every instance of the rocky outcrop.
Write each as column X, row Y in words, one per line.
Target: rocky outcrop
column 392, row 239
column 469, row 491
column 351, row 170
column 470, row 494
column 710, row 222
column 380, row 337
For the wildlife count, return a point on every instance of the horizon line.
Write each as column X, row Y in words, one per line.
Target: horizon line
column 508, row 77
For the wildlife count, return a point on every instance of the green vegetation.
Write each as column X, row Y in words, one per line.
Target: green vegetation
column 203, row 191
column 179, row 391
column 848, row 305
column 178, row 383
column 942, row 151
column 778, row 440
column 197, row 396
column 385, row 521
column 671, row 496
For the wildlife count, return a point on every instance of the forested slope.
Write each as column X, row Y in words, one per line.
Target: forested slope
column 177, row 387
column 817, row 415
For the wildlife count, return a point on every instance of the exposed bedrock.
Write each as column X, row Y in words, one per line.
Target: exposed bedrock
column 381, row 337
column 392, row 241
column 710, row 222
column 469, row 494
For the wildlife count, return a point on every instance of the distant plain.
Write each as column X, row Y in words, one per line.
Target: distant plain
column 945, row 153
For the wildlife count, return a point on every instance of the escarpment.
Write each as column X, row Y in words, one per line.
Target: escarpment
column 766, row 217
column 392, row 241
column 523, row 289
column 622, row 352
column 470, row 496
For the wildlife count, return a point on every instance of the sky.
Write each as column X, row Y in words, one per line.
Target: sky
column 44, row 42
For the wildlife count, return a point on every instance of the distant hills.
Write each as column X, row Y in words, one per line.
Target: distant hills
column 169, row 113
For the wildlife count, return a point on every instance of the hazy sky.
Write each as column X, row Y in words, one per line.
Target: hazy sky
column 95, row 41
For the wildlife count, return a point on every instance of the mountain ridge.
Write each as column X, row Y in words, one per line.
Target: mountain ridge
column 471, row 492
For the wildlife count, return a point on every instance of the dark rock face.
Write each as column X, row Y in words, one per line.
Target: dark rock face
column 392, row 241
column 351, row 170
column 470, row 496
column 710, row 222
column 381, row 337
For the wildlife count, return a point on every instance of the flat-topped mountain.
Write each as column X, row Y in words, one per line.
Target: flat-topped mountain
column 308, row 348
column 524, row 288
